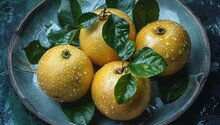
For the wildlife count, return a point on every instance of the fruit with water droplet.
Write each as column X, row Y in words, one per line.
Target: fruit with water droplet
column 170, row 40
column 93, row 44
column 102, row 90
column 65, row 73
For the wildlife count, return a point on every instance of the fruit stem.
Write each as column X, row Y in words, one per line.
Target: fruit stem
column 66, row 54
column 120, row 70
column 160, row 30
column 103, row 15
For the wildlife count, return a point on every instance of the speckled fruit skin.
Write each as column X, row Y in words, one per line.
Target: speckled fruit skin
column 93, row 44
column 174, row 45
column 103, row 94
column 65, row 79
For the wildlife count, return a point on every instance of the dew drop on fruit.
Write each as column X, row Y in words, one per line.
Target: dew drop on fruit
column 112, row 107
column 79, row 74
column 174, row 38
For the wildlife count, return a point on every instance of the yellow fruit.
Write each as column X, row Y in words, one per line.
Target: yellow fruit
column 103, row 93
column 170, row 40
column 93, row 44
column 65, row 73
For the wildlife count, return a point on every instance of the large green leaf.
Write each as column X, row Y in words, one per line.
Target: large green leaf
column 115, row 33
column 147, row 63
column 172, row 87
column 125, row 89
column 144, row 12
column 34, row 51
column 68, row 12
column 87, row 20
column 126, row 50
column 79, row 112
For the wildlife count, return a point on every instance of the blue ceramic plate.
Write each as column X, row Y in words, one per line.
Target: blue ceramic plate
column 23, row 75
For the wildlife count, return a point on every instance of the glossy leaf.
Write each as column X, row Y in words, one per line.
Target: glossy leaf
column 68, row 12
column 79, row 112
column 147, row 63
column 124, row 5
column 62, row 36
column 34, row 51
column 172, row 87
column 144, row 12
column 111, row 3
column 125, row 89
column 126, row 50
column 56, row 35
column 87, row 20
column 115, row 33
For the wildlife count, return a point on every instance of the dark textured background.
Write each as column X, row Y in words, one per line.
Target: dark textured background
column 204, row 111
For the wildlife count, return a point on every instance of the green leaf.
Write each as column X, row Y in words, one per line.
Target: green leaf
column 115, row 33
column 125, row 89
column 144, row 12
column 147, row 63
column 56, row 35
column 87, row 20
column 62, row 36
column 34, row 51
column 124, row 5
column 79, row 112
column 68, row 12
column 111, row 3
column 172, row 87
column 126, row 50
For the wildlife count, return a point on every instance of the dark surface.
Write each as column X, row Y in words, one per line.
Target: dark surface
column 204, row 111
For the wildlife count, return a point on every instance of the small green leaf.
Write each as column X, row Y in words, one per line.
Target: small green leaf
column 125, row 89
column 34, row 51
column 62, row 36
column 172, row 87
column 124, row 5
column 87, row 20
column 111, row 3
column 115, row 33
column 126, row 50
column 68, row 12
column 144, row 12
column 79, row 112
column 147, row 63
column 56, row 35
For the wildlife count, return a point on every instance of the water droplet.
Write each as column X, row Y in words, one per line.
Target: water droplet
column 79, row 74
column 174, row 38
column 112, row 107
